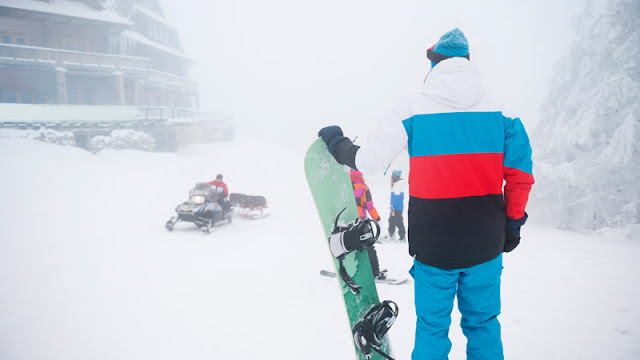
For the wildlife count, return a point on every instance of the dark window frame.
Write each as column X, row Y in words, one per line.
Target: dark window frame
column 13, row 39
column 19, row 96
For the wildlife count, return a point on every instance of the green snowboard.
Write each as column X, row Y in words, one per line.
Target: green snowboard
column 332, row 192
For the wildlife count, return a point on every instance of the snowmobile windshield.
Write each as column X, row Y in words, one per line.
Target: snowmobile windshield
column 205, row 190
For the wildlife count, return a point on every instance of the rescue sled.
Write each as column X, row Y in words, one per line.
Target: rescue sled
column 249, row 206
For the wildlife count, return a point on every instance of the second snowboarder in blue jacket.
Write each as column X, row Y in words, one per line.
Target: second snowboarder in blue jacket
column 396, row 220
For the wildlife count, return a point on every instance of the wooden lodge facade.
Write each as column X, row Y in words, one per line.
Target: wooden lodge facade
column 59, row 54
column 92, row 52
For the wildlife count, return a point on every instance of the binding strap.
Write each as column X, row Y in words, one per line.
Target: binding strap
column 353, row 287
column 369, row 331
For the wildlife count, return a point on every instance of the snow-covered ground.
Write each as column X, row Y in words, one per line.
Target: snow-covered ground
column 87, row 270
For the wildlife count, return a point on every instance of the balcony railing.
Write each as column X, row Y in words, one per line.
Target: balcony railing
column 31, row 55
column 163, row 113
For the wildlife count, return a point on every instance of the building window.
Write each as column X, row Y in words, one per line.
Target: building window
column 10, row 96
column 78, row 93
column 69, row 45
column 18, row 40
column 26, row 97
column 75, row 45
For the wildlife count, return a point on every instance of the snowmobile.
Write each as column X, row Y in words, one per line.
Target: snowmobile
column 202, row 209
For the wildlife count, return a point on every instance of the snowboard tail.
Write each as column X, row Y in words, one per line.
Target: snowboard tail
column 332, row 193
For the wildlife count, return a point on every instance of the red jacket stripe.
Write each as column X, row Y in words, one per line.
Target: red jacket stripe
column 454, row 176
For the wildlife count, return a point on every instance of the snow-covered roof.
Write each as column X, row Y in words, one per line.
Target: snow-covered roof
column 69, row 8
column 152, row 43
column 151, row 14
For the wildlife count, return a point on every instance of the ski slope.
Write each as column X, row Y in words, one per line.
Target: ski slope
column 87, row 270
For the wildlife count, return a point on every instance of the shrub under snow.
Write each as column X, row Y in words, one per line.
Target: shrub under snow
column 123, row 139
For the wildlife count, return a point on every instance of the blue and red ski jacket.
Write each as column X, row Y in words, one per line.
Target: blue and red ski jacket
column 463, row 146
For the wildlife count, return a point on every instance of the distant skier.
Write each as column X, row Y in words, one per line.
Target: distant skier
column 462, row 147
column 364, row 202
column 221, row 188
column 397, row 206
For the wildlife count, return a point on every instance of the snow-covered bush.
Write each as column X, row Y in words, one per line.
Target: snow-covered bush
column 587, row 144
column 44, row 135
column 123, row 139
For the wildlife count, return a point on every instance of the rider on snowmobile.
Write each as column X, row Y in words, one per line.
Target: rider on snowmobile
column 221, row 188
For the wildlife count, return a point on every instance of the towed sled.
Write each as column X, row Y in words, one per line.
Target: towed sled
column 249, row 206
column 202, row 209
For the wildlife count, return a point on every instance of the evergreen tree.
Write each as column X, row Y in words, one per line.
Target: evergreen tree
column 587, row 144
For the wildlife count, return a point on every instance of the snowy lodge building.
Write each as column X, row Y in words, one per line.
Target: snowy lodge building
column 95, row 52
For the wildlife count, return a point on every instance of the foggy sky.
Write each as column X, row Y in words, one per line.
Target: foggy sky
column 285, row 68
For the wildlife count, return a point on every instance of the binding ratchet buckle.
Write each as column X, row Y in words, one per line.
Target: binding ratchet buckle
column 357, row 235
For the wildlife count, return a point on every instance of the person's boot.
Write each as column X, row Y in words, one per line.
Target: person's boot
column 382, row 275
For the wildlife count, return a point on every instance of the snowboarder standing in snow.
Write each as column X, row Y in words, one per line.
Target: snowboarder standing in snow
column 364, row 202
column 397, row 206
column 462, row 145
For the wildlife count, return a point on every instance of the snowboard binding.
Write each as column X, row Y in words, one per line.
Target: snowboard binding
column 371, row 328
column 357, row 235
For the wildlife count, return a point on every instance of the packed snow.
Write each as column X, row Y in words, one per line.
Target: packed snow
column 88, row 271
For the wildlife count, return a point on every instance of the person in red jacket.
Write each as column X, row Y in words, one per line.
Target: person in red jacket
column 221, row 188
column 364, row 201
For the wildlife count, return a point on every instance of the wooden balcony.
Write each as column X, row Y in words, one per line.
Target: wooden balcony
column 49, row 57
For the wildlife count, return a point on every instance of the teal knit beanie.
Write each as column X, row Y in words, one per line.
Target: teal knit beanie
column 451, row 44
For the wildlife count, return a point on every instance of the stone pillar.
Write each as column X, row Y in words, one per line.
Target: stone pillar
column 61, row 85
column 120, row 94
column 138, row 93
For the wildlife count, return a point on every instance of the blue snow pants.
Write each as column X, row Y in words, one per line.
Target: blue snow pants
column 478, row 291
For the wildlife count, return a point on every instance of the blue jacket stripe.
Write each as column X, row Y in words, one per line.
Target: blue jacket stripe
column 455, row 133
column 407, row 123
column 517, row 150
